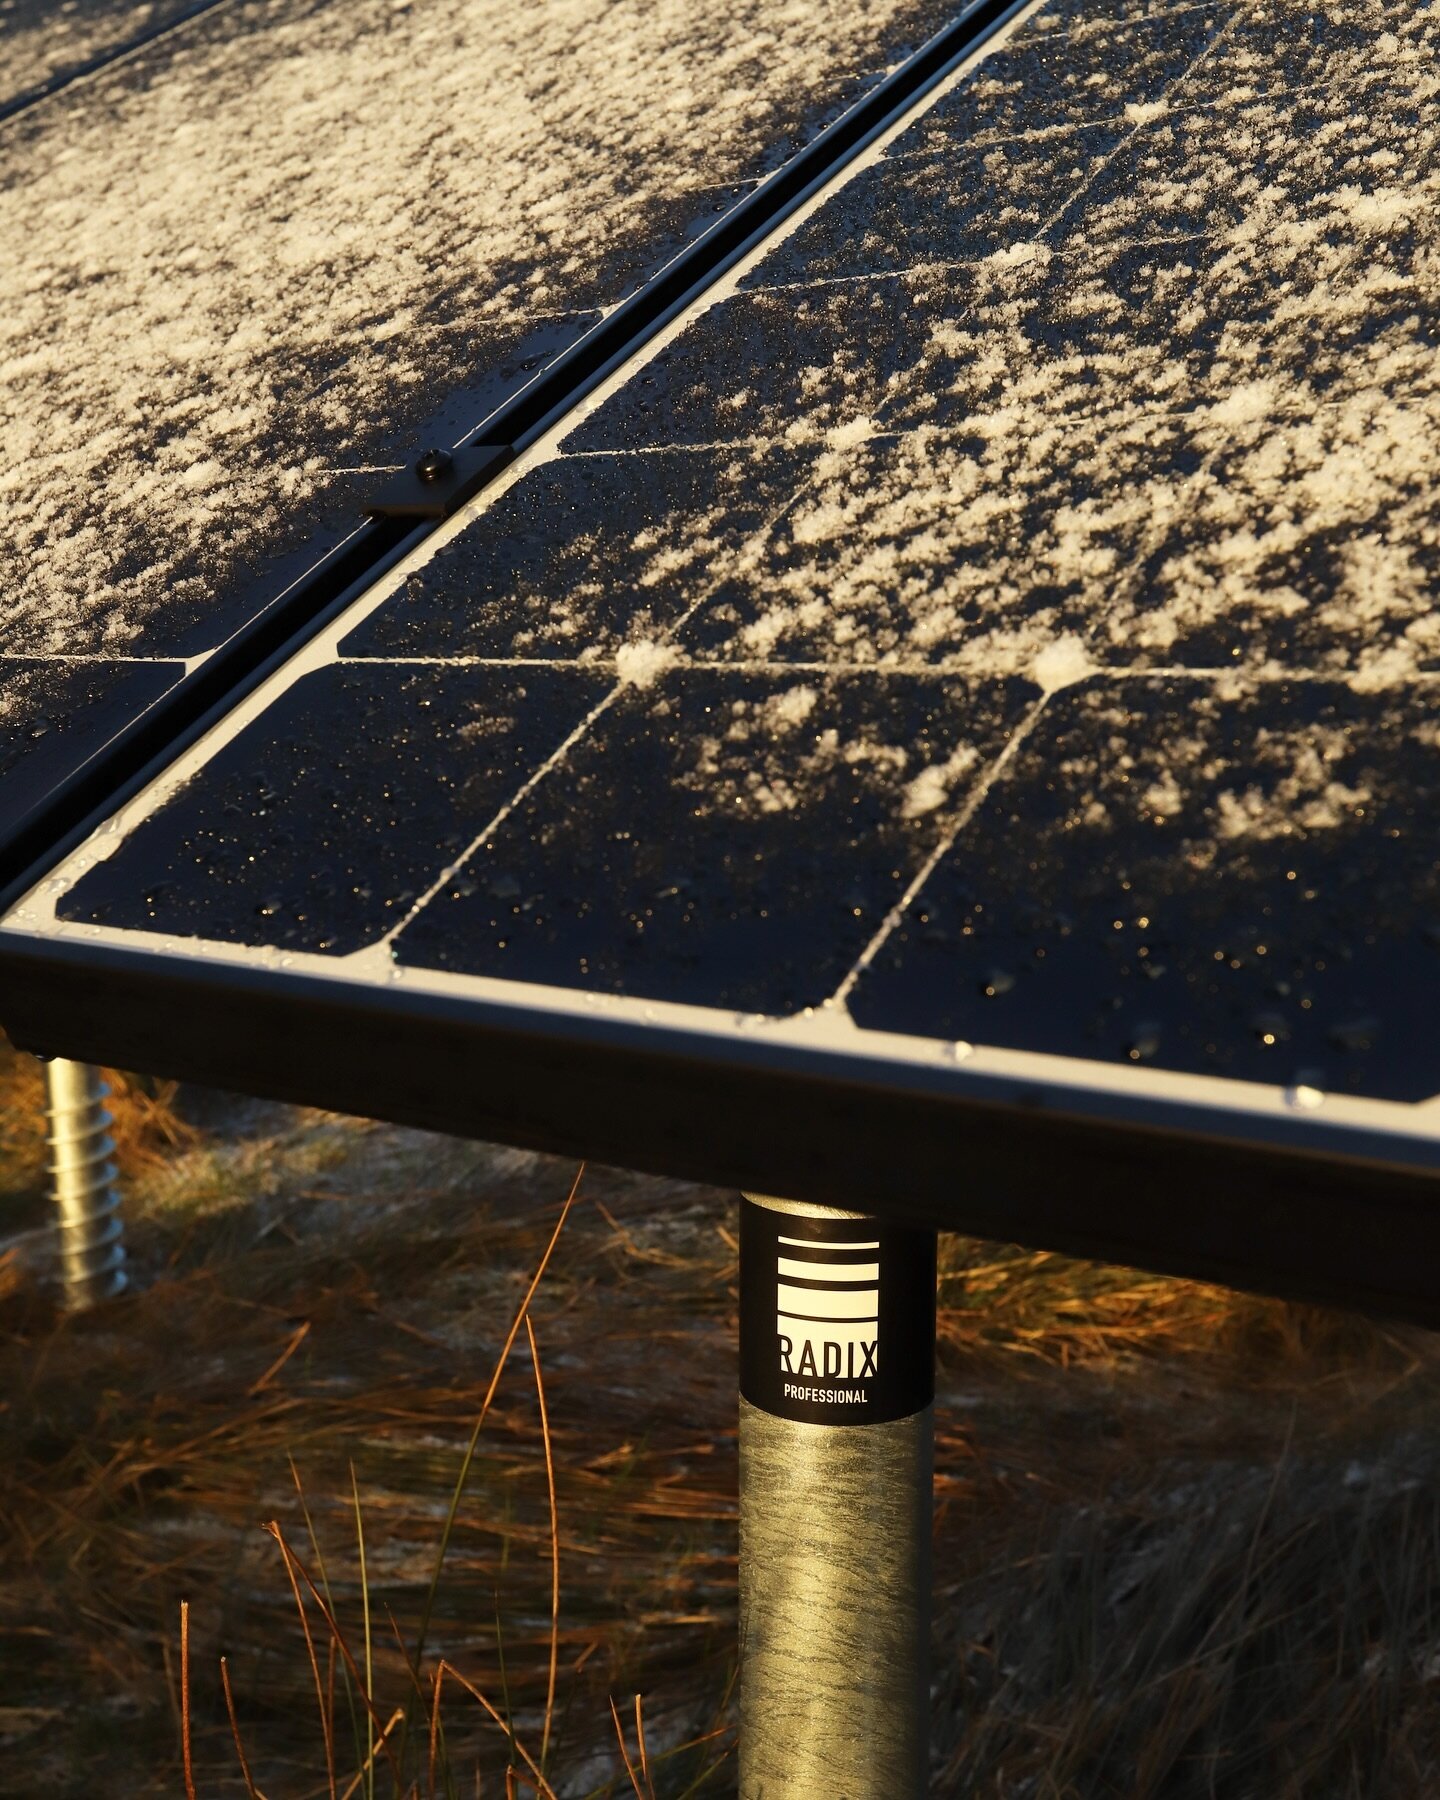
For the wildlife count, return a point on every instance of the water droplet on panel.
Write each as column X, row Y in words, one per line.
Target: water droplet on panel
column 1270, row 1028
column 1144, row 1042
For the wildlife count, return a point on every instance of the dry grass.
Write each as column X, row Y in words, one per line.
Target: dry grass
column 1186, row 1541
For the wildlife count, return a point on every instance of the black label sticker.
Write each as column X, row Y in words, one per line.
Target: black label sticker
column 837, row 1317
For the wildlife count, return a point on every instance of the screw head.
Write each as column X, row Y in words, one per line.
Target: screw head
column 433, row 464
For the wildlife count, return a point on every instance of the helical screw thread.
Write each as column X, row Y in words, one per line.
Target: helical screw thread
column 90, row 1230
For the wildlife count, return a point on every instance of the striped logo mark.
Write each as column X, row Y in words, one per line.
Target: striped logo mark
column 828, row 1309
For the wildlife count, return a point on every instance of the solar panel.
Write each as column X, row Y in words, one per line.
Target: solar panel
column 947, row 727
column 271, row 254
column 44, row 47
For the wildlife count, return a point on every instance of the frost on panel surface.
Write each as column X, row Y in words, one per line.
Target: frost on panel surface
column 41, row 42
column 731, row 842
column 270, row 248
column 1240, row 882
column 291, row 241
column 583, row 555
column 1188, row 407
column 1069, row 554
column 44, row 706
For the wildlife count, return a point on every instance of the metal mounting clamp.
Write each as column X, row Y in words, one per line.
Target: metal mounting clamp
column 439, row 482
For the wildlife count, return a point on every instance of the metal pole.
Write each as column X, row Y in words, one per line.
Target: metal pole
column 837, row 1387
column 82, row 1176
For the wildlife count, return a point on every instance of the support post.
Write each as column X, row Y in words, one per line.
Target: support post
column 90, row 1230
column 837, row 1386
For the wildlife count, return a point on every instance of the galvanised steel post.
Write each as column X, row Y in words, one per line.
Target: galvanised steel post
column 82, row 1178
column 837, row 1388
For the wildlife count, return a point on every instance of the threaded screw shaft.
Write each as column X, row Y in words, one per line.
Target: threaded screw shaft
column 91, row 1232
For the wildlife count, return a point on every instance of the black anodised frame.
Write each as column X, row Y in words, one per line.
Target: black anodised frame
column 1271, row 1202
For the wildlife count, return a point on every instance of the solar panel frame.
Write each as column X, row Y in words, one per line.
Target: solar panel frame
column 1206, row 1178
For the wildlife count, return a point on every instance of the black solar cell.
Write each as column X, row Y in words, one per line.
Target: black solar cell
column 361, row 783
column 1243, row 887
column 581, row 553
column 1042, row 85
column 766, row 837
column 895, row 216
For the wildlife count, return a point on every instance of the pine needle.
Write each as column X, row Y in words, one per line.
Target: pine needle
column 543, row 1786
column 644, row 1753
column 368, row 1772
column 252, row 1792
column 185, row 1700
column 326, row 1723
column 369, row 1658
column 554, row 1548
column 625, row 1751
column 469, row 1456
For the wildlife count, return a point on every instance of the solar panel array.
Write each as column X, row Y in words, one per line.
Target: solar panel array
column 945, row 727
column 43, row 46
column 1003, row 612
column 264, row 257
